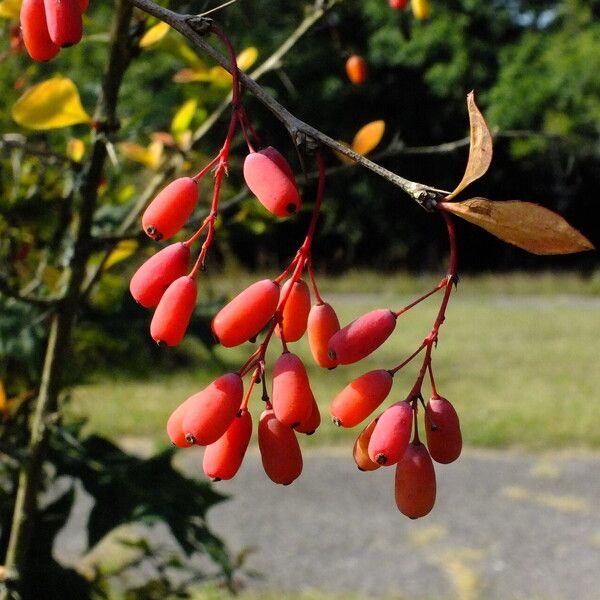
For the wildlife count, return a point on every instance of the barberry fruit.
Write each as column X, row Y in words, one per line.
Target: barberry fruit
column 415, row 485
column 391, row 434
column 63, row 18
column 35, row 31
column 295, row 312
column 442, row 429
column 356, row 69
column 360, row 451
column 321, row 325
column 292, row 397
column 310, row 425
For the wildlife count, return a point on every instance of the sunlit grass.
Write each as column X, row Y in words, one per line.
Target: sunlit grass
column 519, row 366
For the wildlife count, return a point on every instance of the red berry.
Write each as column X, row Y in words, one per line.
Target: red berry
column 35, row 31
column 151, row 280
column 442, row 428
column 174, row 311
column 279, row 449
column 356, row 69
column 398, row 4
column 361, row 337
column 174, row 426
column 361, row 397
column 292, row 397
column 360, row 450
column 83, row 5
column 310, row 425
column 210, row 412
column 270, row 179
column 223, row 458
column 415, row 482
column 171, row 208
column 246, row 314
column 391, row 434
column 64, row 21
column 295, row 311
column 322, row 324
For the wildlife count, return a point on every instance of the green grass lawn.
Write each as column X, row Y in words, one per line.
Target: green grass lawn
column 518, row 358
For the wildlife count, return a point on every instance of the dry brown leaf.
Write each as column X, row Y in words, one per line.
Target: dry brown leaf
column 523, row 224
column 480, row 150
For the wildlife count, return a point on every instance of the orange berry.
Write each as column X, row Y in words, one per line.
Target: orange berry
column 391, row 434
column 361, row 337
column 321, row 325
column 246, row 314
column 292, row 397
column 442, row 428
column 279, row 449
column 174, row 311
column 63, row 18
column 210, row 412
column 295, row 311
column 356, row 69
column 170, row 209
column 361, row 397
column 151, row 280
column 360, row 450
column 270, row 179
column 35, row 31
column 174, row 426
column 223, row 458
column 415, row 485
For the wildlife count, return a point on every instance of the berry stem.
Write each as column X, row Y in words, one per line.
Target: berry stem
column 253, row 380
column 442, row 284
column 313, row 281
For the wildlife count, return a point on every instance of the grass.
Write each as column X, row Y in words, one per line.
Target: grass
column 518, row 357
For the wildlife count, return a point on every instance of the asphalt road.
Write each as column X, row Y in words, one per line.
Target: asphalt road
column 505, row 526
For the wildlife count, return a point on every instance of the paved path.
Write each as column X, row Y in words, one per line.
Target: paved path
column 505, row 526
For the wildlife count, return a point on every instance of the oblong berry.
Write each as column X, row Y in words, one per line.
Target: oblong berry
column 361, row 397
column 279, row 449
column 210, row 412
column 361, row 337
column 151, row 280
column 310, row 425
column 360, row 451
column 245, row 315
column 321, row 325
column 170, row 209
column 415, row 485
column 175, row 428
column 223, row 458
column 63, row 18
column 356, row 69
column 174, row 311
column 295, row 312
column 35, row 31
column 292, row 397
column 270, row 179
column 83, row 5
column 442, row 429
column 391, row 435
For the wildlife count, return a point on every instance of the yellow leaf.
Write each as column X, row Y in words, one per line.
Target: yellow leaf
column 75, row 149
column 189, row 75
column 121, row 251
column 183, row 117
column 523, row 224
column 219, row 76
column 480, row 147
column 151, row 156
column 421, row 9
column 10, row 9
column 51, row 104
column 368, row 137
column 154, row 34
column 247, row 58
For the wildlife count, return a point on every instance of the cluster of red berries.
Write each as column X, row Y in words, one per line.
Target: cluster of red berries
column 49, row 25
column 217, row 417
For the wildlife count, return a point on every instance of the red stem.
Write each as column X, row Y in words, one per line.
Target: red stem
column 311, row 274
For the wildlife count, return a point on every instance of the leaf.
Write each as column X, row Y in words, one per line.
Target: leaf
column 246, row 58
column 480, row 149
column 3, row 401
column 151, row 156
column 368, row 137
column 183, row 117
column 122, row 251
column 75, row 149
column 154, row 34
column 523, row 224
column 10, row 9
column 51, row 104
